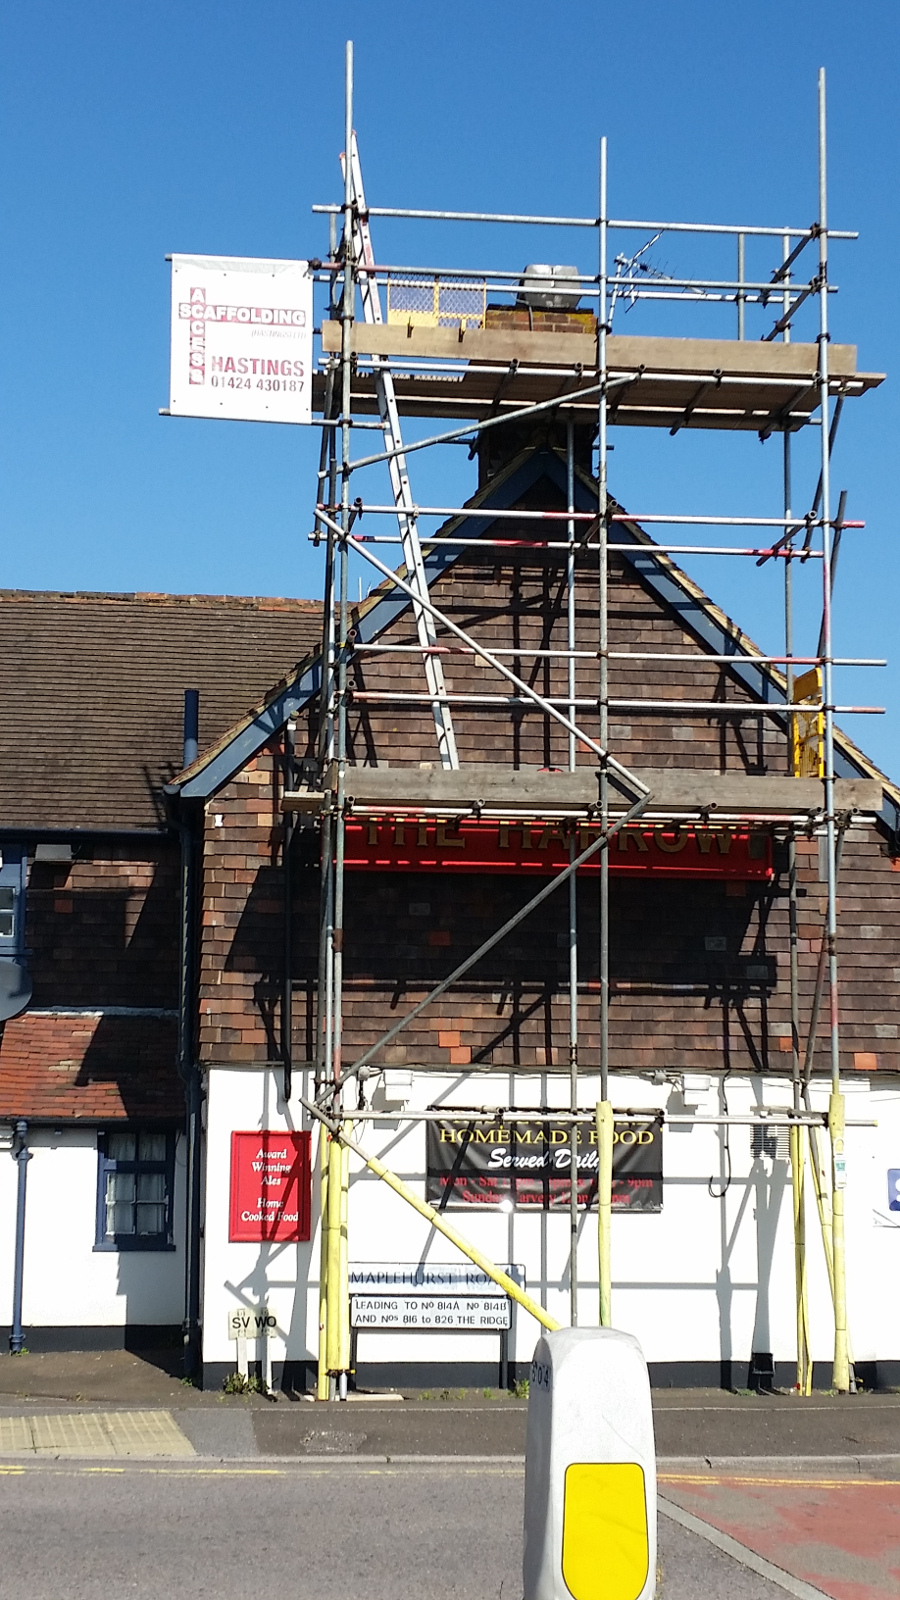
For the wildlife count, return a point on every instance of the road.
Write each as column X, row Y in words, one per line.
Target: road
column 315, row 1531
column 116, row 1481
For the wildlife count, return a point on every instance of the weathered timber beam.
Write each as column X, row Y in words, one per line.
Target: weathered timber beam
column 701, row 356
column 532, row 790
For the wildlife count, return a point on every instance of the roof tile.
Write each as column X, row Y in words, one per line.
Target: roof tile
column 92, row 694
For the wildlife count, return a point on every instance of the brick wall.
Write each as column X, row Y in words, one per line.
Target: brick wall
column 540, row 321
column 242, row 918
column 518, row 600
column 103, row 937
column 677, row 1000
column 104, row 930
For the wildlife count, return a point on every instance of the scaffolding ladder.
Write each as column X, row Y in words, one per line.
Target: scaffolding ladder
column 400, row 485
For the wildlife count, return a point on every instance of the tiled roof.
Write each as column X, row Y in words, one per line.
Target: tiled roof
column 92, row 689
column 92, row 1067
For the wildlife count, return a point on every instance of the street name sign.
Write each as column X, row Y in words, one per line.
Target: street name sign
column 430, row 1277
column 469, row 1313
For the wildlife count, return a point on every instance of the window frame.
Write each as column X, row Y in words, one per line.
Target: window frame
column 106, row 1164
column 13, row 872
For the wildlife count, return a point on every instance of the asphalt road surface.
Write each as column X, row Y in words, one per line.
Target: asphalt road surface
column 324, row 1531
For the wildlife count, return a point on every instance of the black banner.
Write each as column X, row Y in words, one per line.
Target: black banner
column 480, row 1163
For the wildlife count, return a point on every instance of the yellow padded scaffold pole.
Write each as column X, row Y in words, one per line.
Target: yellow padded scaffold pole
column 323, row 1386
column 840, row 1377
column 798, row 1168
column 338, row 1307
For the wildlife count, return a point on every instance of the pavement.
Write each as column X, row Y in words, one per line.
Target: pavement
column 759, row 1495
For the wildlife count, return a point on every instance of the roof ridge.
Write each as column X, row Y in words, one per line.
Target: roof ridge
column 154, row 597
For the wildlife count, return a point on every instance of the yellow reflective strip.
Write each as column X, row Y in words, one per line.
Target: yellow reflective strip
column 605, row 1548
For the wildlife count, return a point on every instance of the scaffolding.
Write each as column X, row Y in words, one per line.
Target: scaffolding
column 437, row 355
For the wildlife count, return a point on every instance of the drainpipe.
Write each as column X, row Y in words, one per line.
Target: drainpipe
column 22, row 1156
column 287, row 984
column 187, row 1057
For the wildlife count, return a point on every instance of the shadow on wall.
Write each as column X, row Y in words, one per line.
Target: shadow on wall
column 278, row 1268
column 764, row 1189
column 105, row 944
column 277, row 1272
column 672, row 937
column 151, row 1283
column 768, row 1189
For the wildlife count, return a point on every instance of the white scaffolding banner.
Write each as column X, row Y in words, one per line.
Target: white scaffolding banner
column 241, row 339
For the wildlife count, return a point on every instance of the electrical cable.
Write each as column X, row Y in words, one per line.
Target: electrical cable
column 727, row 1148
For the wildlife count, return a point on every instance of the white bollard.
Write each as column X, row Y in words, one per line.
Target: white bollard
column 590, row 1470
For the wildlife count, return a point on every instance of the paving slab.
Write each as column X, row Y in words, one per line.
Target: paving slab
column 83, row 1435
column 225, row 1432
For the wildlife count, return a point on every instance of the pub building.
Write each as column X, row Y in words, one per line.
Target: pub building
column 169, row 921
column 469, row 1101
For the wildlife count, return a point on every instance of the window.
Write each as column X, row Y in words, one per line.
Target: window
column 135, row 1179
column 13, row 862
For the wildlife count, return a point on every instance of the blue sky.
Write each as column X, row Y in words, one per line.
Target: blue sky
column 128, row 131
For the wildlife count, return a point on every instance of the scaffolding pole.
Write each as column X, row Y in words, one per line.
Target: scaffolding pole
column 336, row 1302
column 603, row 608
column 619, row 223
column 605, row 1129
column 573, row 880
column 841, row 1366
column 797, row 1136
column 323, row 1380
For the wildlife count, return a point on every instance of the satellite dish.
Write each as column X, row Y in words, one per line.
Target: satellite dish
column 16, row 989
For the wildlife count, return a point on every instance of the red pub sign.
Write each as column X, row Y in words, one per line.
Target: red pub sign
column 665, row 849
column 271, row 1183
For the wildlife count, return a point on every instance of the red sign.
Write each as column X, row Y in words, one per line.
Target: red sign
column 674, row 850
column 271, row 1183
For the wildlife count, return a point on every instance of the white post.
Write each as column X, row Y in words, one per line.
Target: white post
column 590, row 1470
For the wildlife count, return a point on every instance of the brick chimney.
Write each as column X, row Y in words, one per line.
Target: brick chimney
column 498, row 445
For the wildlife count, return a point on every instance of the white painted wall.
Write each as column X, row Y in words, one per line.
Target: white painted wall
column 706, row 1279
column 276, row 1275
column 67, row 1283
